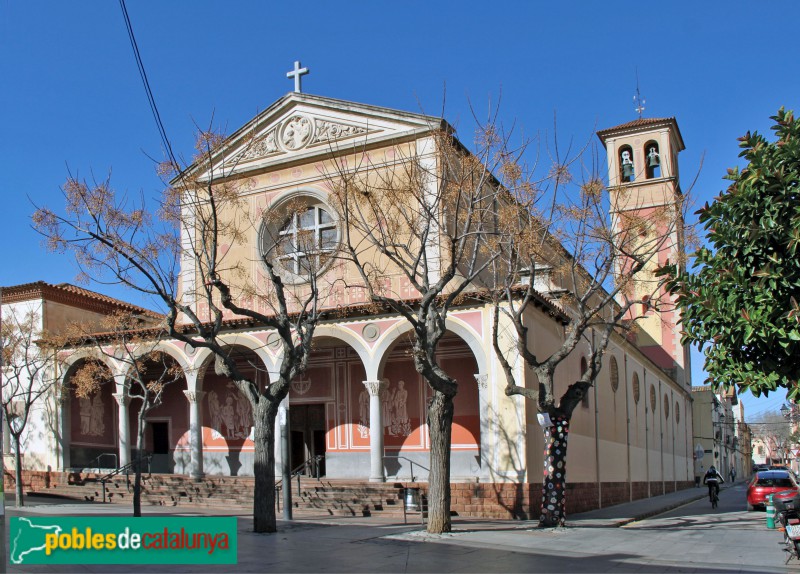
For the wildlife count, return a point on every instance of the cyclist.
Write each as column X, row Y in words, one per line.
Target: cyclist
column 713, row 479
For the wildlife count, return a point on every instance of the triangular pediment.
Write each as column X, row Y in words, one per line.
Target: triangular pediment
column 299, row 127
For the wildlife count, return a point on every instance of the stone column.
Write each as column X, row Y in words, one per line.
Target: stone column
column 483, row 406
column 195, row 398
column 374, row 389
column 62, row 435
column 124, row 439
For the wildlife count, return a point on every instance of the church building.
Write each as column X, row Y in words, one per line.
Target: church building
column 359, row 411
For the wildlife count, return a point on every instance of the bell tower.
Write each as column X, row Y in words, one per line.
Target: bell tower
column 643, row 186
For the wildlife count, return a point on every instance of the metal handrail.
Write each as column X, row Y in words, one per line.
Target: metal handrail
column 313, row 461
column 398, row 457
column 100, row 456
column 126, row 469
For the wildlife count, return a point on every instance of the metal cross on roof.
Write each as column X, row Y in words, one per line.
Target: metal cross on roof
column 638, row 99
column 296, row 74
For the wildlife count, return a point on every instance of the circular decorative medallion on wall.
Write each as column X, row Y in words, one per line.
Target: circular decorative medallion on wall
column 614, row 374
column 636, row 388
column 189, row 351
column 653, row 398
column 273, row 340
column 370, row 332
column 296, row 132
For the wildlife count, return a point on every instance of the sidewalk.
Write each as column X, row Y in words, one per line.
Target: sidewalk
column 366, row 544
column 622, row 514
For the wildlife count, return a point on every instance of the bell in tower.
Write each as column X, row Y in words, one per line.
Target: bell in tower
column 627, row 166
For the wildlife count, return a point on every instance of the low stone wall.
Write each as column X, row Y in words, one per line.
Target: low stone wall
column 505, row 501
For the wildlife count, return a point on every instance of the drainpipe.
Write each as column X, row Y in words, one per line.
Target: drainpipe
column 597, row 443
column 661, row 439
column 628, row 429
column 646, row 433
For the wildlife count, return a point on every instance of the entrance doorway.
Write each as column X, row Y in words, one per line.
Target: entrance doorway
column 157, row 443
column 307, row 432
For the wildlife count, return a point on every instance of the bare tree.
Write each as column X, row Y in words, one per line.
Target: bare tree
column 776, row 434
column 28, row 374
column 560, row 245
column 148, row 373
column 427, row 218
column 203, row 219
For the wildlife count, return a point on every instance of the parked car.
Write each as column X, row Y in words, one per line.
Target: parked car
column 760, row 467
column 768, row 482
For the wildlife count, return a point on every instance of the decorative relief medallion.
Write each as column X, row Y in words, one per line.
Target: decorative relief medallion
column 370, row 332
column 296, row 132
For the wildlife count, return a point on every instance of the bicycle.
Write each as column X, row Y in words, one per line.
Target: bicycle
column 713, row 494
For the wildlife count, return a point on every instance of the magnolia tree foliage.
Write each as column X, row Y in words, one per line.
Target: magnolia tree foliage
column 560, row 246
column 203, row 217
column 28, row 375
column 133, row 347
column 740, row 300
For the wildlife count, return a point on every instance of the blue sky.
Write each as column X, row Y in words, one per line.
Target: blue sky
column 72, row 99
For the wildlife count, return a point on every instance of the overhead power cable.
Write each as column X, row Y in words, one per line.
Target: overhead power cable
column 150, row 99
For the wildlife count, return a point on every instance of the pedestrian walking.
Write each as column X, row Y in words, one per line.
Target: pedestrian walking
column 733, row 474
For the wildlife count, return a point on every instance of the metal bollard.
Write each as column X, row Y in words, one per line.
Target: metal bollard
column 770, row 513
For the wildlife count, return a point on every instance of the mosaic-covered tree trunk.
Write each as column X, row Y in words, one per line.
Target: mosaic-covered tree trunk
column 555, row 473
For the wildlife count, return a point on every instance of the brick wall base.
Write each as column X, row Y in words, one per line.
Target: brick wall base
column 505, row 501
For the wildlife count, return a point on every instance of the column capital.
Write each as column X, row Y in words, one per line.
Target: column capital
column 482, row 380
column 375, row 387
column 122, row 399
column 194, row 396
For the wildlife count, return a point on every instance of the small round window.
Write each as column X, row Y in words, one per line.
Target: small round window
column 635, row 388
column 299, row 239
column 653, row 398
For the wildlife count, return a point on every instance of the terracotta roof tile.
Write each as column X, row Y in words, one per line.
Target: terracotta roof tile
column 71, row 294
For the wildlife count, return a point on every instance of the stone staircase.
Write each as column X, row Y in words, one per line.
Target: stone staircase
column 316, row 497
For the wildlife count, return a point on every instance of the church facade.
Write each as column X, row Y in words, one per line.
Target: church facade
column 359, row 411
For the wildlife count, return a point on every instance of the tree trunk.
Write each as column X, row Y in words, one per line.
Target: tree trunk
column 440, row 424
column 554, row 494
column 264, row 519
column 18, row 471
column 137, row 469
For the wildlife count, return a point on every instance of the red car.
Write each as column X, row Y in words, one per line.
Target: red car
column 768, row 482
